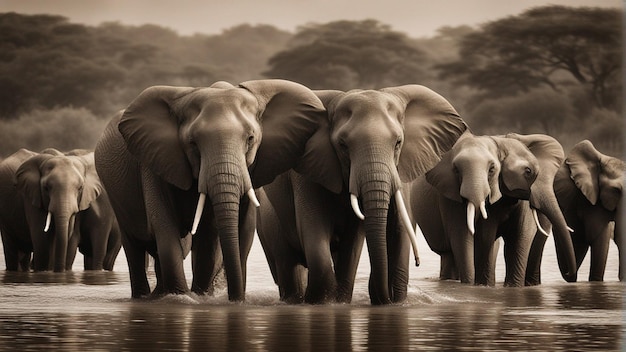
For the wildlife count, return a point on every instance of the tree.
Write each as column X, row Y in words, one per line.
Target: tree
column 546, row 46
column 349, row 54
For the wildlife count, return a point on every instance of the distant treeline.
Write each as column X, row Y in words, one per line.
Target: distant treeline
column 552, row 69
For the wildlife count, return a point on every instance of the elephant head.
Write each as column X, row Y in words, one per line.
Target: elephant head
column 481, row 169
column 600, row 179
column 374, row 141
column 60, row 186
column 224, row 140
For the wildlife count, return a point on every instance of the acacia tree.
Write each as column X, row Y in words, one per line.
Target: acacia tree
column 551, row 46
column 349, row 54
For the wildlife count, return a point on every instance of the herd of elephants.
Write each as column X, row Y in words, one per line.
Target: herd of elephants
column 315, row 173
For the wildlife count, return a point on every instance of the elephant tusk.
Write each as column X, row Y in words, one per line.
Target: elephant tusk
column 483, row 210
column 355, row 207
column 406, row 221
column 253, row 197
column 48, row 221
column 570, row 229
column 471, row 213
column 536, row 217
column 198, row 215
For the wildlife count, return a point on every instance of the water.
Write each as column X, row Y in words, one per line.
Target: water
column 93, row 311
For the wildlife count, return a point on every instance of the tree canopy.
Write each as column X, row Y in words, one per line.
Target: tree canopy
column 349, row 54
column 552, row 46
column 48, row 62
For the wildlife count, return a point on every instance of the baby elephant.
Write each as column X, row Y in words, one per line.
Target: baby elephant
column 52, row 203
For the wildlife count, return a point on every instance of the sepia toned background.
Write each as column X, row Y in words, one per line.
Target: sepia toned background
column 529, row 67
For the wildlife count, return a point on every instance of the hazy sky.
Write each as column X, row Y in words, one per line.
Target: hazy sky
column 415, row 17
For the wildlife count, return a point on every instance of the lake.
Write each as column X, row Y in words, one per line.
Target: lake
column 93, row 311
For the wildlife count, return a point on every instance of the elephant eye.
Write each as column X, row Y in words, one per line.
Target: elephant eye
column 343, row 145
column 492, row 169
column 398, row 144
column 528, row 171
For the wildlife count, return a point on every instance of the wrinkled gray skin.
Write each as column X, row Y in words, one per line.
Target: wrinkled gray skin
column 67, row 187
column 589, row 186
column 511, row 175
column 373, row 141
column 172, row 146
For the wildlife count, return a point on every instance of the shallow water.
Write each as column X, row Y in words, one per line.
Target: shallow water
column 92, row 311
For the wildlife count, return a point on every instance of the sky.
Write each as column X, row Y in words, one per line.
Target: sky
column 417, row 18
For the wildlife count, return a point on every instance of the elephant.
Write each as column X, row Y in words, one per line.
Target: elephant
column 174, row 148
column 52, row 204
column 589, row 188
column 507, row 179
column 372, row 142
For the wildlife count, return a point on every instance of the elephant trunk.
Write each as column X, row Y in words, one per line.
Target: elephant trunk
column 226, row 182
column 475, row 189
column 64, row 225
column 545, row 201
column 375, row 184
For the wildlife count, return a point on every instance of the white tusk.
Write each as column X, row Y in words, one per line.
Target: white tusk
column 483, row 210
column 570, row 229
column 355, row 207
column 536, row 217
column 471, row 213
column 253, row 198
column 198, row 215
column 406, row 221
column 48, row 221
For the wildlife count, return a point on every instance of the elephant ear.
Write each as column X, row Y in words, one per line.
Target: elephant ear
column 319, row 162
column 92, row 188
column 444, row 179
column 291, row 113
column 151, row 134
column 431, row 127
column 546, row 149
column 28, row 179
column 583, row 162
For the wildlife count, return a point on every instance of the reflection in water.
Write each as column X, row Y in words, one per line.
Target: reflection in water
column 82, row 310
column 565, row 317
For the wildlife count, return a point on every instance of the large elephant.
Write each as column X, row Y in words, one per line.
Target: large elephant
column 589, row 188
column 372, row 142
column 174, row 148
column 506, row 179
column 56, row 202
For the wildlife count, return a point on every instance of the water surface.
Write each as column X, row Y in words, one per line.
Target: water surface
column 93, row 311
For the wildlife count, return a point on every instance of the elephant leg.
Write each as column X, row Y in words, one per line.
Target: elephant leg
column 136, row 259
column 72, row 246
column 518, row 234
column 247, row 227
column 448, row 269
column 169, row 247
column 461, row 240
column 24, row 261
column 596, row 224
column 346, row 261
column 96, row 231
column 11, row 251
column 484, row 240
column 533, row 268
column 398, row 245
column 206, row 259
column 114, row 244
column 315, row 231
